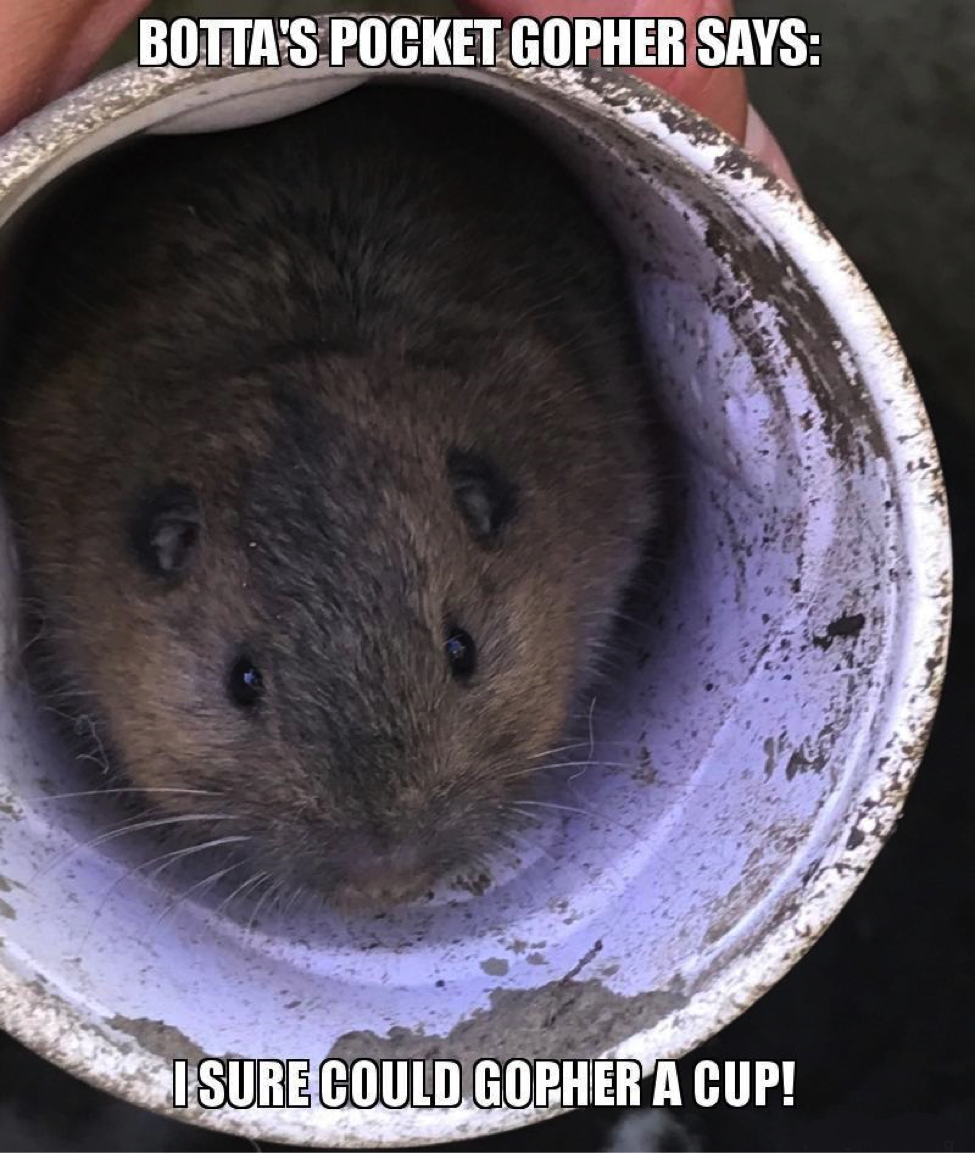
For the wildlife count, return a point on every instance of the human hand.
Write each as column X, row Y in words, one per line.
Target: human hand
column 718, row 93
column 49, row 46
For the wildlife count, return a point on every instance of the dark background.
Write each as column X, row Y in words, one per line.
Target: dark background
column 880, row 1016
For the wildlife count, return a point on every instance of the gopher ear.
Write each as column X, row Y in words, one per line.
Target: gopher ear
column 165, row 530
column 487, row 500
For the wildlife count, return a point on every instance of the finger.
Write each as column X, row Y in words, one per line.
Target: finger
column 49, row 46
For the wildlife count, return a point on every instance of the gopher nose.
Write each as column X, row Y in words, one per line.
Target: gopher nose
column 367, row 875
column 371, row 862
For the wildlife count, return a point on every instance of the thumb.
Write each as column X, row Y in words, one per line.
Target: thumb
column 49, row 46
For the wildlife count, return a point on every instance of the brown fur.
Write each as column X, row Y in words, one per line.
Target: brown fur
column 299, row 322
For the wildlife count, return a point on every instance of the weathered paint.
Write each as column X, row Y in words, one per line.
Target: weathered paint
column 774, row 710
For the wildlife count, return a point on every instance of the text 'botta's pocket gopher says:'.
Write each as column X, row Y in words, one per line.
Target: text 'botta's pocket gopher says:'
column 329, row 453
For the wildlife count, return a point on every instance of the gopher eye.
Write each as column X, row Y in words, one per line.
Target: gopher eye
column 245, row 683
column 461, row 653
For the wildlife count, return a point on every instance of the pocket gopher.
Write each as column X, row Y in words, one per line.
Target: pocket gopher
column 328, row 446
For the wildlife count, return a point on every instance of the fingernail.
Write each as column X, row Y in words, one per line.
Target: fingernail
column 760, row 142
